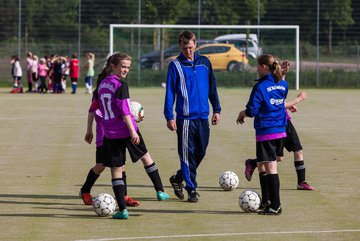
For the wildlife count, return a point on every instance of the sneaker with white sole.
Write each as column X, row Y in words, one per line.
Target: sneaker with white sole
column 193, row 197
column 271, row 211
column 304, row 186
column 178, row 187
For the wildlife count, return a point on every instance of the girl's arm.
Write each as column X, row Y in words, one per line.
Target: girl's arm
column 89, row 134
column 135, row 139
column 301, row 96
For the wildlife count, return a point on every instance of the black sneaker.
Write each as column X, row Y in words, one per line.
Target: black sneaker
column 178, row 187
column 271, row 211
column 193, row 197
column 264, row 205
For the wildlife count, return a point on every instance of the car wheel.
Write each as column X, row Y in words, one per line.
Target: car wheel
column 156, row 66
column 236, row 67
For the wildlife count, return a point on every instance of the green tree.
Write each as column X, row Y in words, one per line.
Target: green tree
column 338, row 12
column 163, row 12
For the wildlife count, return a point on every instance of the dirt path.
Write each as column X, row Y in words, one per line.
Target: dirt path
column 325, row 65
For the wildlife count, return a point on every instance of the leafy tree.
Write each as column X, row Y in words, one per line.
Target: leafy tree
column 338, row 12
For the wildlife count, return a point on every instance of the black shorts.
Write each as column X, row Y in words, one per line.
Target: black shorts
column 267, row 151
column 115, row 151
column 292, row 141
column 100, row 154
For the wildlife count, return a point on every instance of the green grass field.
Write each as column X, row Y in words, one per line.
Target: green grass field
column 44, row 161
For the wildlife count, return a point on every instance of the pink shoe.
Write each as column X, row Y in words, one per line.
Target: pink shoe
column 304, row 186
column 249, row 169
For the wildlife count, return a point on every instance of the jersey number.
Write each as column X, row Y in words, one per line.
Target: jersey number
column 106, row 103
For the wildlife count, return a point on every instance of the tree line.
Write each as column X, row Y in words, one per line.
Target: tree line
column 58, row 21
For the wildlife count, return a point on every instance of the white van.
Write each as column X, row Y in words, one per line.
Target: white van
column 239, row 40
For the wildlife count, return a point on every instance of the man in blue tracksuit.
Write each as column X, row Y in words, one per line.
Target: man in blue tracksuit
column 191, row 84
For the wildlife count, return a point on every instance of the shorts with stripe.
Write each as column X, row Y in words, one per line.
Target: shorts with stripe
column 267, row 151
column 115, row 151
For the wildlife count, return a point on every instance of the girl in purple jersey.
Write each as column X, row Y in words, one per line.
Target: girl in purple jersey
column 96, row 170
column 121, row 131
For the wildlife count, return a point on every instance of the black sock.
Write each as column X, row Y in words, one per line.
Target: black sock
column 125, row 184
column 118, row 188
column 274, row 190
column 90, row 180
column 153, row 173
column 300, row 171
column 264, row 187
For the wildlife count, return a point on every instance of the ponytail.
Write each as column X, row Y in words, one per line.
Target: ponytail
column 273, row 64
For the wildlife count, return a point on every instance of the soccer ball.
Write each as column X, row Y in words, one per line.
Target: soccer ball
column 137, row 110
column 104, row 205
column 229, row 181
column 249, row 201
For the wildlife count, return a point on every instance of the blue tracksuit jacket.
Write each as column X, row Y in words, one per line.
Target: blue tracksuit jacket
column 192, row 88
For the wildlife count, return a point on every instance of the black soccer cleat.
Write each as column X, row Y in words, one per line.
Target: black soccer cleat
column 193, row 197
column 178, row 187
column 271, row 211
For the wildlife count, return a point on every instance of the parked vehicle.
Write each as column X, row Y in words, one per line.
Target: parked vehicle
column 151, row 60
column 222, row 56
column 254, row 50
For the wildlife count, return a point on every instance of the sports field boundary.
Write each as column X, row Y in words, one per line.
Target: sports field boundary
column 225, row 234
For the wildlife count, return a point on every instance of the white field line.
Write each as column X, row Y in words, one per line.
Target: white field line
column 85, row 144
column 226, row 234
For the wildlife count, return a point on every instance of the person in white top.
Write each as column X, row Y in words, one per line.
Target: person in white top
column 17, row 74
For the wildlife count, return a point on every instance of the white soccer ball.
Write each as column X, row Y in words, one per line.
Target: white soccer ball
column 249, row 201
column 137, row 110
column 229, row 181
column 163, row 85
column 104, row 205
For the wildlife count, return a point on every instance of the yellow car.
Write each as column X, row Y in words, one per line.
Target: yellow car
column 222, row 56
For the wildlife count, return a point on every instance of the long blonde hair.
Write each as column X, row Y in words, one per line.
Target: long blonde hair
column 272, row 63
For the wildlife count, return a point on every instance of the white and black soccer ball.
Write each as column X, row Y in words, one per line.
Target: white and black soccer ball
column 228, row 181
column 104, row 205
column 137, row 110
column 249, row 201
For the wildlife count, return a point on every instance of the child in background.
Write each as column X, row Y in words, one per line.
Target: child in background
column 29, row 63
column 17, row 74
column 66, row 71
column 43, row 73
column 35, row 74
column 74, row 72
column 89, row 72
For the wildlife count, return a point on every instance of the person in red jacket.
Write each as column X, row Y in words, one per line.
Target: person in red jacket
column 74, row 72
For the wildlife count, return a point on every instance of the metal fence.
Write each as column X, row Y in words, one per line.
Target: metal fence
column 86, row 29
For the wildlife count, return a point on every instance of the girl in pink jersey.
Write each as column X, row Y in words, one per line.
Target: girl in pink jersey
column 42, row 72
column 121, row 131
